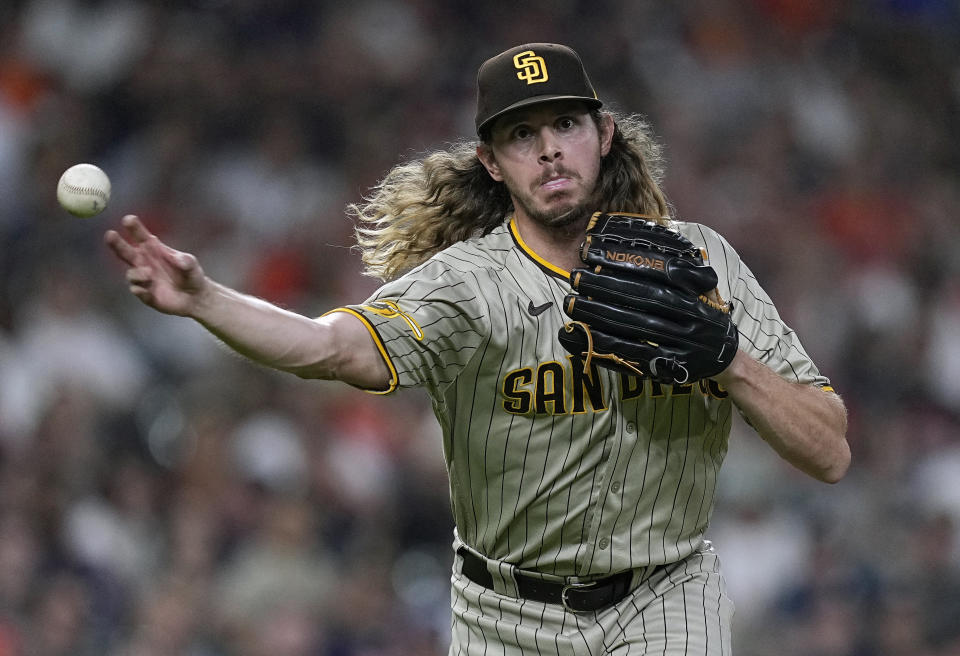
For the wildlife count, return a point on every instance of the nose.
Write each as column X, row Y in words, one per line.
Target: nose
column 549, row 146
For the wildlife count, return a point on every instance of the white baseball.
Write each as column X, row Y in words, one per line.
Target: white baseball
column 83, row 190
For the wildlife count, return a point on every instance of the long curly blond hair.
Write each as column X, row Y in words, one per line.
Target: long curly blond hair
column 425, row 205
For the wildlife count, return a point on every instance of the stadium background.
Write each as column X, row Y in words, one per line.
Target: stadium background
column 160, row 496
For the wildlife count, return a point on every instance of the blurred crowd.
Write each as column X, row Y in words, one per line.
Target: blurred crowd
column 160, row 496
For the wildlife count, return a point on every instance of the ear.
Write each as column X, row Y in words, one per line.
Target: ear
column 489, row 161
column 607, row 128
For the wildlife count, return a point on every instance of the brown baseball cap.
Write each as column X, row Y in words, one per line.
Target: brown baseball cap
column 529, row 74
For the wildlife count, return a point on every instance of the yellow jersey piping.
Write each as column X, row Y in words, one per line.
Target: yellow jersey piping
column 552, row 268
column 394, row 378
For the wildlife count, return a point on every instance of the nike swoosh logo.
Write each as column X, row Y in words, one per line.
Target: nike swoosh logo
column 535, row 310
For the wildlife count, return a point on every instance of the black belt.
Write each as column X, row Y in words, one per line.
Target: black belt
column 578, row 597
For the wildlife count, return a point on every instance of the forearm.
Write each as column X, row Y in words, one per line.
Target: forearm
column 335, row 346
column 805, row 425
column 265, row 333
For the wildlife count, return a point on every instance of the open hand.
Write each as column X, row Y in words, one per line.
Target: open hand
column 163, row 278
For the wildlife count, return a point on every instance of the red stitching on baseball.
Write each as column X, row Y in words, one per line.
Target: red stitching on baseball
column 93, row 191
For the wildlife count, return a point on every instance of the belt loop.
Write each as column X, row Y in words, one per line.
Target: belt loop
column 504, row 580
column 641, row 574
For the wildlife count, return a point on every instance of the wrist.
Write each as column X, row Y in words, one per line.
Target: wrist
column 736, row 371
column 206, row 300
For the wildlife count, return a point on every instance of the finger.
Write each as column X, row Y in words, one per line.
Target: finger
column 120, row 247
column 141, row 276
column 179, row 260
column 145, row 295
column 138, row 233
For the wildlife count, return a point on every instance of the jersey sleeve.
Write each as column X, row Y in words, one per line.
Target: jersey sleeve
column 763, row 333
column 427, row 325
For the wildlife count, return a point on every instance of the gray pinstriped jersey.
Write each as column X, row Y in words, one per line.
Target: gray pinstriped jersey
column 551, row 469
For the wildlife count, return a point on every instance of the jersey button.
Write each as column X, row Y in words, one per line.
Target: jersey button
column 615, row 486
column 604, row 543
column 631, row 427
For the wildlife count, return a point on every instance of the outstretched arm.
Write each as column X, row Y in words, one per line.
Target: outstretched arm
column 807, row 426
column 337, row 346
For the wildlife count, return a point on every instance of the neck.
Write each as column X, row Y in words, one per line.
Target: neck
column 558, row 245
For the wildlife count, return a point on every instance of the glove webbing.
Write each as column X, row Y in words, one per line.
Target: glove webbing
column 723, row 306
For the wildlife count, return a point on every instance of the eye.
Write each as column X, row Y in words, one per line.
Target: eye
column 565, row 123
column 521, row 132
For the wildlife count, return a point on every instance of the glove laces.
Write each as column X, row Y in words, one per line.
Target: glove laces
column 589, row 354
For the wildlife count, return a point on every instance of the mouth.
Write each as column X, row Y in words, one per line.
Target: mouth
column 555, row 181
column 555, row 184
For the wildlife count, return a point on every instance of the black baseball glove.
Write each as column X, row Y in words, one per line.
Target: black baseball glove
column 646, row 303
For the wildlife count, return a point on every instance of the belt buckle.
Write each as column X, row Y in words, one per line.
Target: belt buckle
column 574, row 587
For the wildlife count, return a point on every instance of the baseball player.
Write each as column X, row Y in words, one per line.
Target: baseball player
column 581, row 494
